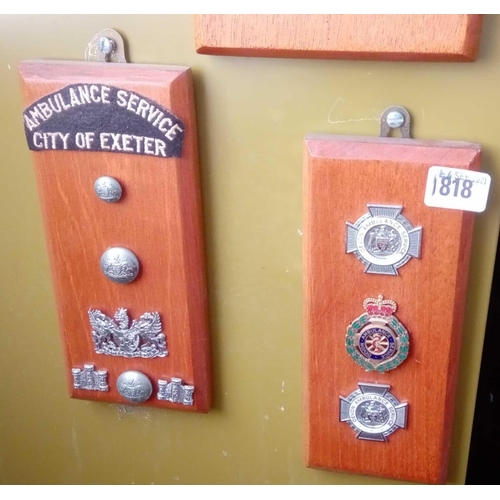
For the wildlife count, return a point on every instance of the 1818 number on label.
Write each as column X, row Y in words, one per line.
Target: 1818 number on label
column 449, row 186
column 457, row 189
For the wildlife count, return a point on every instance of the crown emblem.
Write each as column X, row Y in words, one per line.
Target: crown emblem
column 143, row 338
column 379, row 307
column 377, row 340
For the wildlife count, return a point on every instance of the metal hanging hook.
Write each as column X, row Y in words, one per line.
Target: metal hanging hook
column 106, row 46
column 395, row 117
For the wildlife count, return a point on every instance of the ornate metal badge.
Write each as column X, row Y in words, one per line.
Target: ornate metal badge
column 134, row 386
column 376, row 340
column 89, row 379
column 383, row 239
column 373, row 412
column 175, row 391
column 142, row 339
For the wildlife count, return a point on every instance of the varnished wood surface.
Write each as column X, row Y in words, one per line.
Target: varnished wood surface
column 341, row 176
column 405, row 37
column 159, row 218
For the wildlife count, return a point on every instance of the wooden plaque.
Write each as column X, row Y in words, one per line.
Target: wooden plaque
column 405, row 37
column 342, row 175
column 135, row 123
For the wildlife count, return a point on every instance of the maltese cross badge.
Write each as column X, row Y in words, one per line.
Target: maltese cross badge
column 383, row 239
column 373, row 412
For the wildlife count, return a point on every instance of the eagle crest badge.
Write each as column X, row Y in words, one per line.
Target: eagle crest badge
column 117, row 337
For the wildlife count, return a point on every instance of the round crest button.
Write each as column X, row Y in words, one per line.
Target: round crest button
column 134, row 386
column 119, row 265
column 108, row 189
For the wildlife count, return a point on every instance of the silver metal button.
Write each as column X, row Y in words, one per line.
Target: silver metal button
column 134, row 386
column 119, row 265
column 108, row 189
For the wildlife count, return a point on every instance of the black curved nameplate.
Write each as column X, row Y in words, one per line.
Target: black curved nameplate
column 96, row 117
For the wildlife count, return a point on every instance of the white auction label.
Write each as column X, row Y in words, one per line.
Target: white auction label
column 457, row 189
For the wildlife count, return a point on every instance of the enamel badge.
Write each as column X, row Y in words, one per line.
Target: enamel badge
column 376, row 340
column 373, row 412
column 383, row 239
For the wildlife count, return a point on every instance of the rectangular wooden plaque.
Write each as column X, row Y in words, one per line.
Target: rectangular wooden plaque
column 342, row 175
column 135, row 123
column 405, row 37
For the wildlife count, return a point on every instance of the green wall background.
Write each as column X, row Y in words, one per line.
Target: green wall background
column 252, row 115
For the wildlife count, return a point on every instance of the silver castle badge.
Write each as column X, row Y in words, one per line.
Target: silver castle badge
column 373, row 412
column 383, row 239
column 175, row 391
column 89, row 379
column 117, row 337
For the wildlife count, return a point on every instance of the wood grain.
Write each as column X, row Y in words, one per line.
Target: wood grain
column 342, row 175
column 406, row 37
column 159, row 218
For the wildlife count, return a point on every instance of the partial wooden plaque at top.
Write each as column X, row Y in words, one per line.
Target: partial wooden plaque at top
column 135, row 124
column 405, row 37
column 343, row 175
